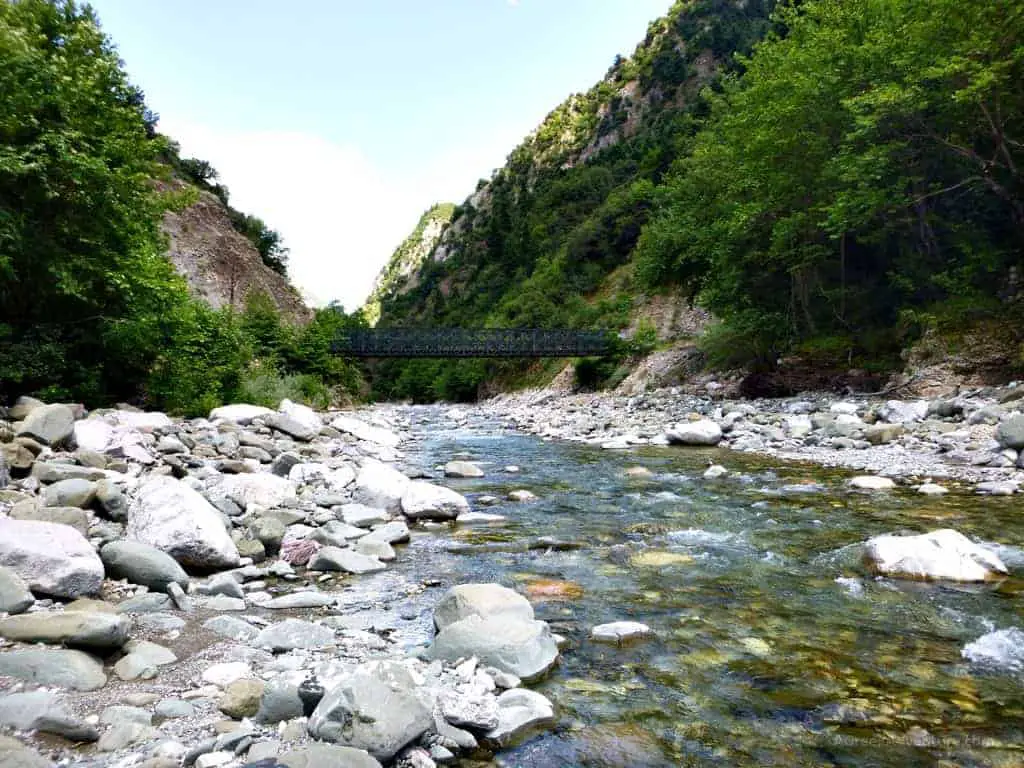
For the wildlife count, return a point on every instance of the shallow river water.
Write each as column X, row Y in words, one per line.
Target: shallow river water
column 773, row 646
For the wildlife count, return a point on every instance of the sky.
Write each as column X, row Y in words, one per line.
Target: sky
column 339, row 122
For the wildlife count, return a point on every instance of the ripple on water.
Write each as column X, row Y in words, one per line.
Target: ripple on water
column 1002, row 650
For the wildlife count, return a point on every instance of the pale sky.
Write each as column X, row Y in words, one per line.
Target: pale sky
column 339, row 122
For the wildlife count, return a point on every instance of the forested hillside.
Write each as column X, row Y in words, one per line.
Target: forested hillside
column 91, row 309
column 834, row 182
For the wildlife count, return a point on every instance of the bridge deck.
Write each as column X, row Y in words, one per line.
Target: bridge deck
column 468, row 342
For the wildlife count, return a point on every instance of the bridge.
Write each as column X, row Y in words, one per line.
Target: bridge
column 470, row 342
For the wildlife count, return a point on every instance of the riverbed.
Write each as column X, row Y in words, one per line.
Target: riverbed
column 772, row 644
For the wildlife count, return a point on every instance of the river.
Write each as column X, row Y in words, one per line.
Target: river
column 772, row 646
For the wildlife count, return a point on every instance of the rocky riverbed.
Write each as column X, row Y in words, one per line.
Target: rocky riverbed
column 974, row 436
column 217, row 592
column 291, row 588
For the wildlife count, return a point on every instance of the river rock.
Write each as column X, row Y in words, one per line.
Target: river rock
column 426, row 501
column 378, row 485
column 1010, row 433
column 43, row 711
column 944, row 554
column 52, row 425
column 290, row 634
column 72, row 517
column 347, row 560
column 240, row 413
column 520, row 712
column 395, row 532
column 363, row 431
column 880, row 434
column 70, row 493
column 52, row 472
column 469, row 709
column 485, row 600
column 327, row 756
column 618, row 632
column 103, row 631
column 15, row 596
column 53, row 559
column 526, row 649
column 48, row 666
column 362, row 516
column 522, row 495
column 307, row 599
column 932, row 489
column 872, row 483
column 232, row 627
column 702, row 432
column 261, row 489
column 169, row 515
column 901, row 412
column 462, row 469
column 376, row 708
column 280, row 702
column 241, row 698
column 142, row 564
column 372, row 547
column 997, row 487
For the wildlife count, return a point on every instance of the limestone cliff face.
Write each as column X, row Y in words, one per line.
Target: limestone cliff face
column 220, row 265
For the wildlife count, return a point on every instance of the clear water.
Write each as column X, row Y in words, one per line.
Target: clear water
column 761, row 657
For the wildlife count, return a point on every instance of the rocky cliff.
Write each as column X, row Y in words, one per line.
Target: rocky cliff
column 221, row 265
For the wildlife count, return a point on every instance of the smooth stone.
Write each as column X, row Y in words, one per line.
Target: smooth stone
column 240, row 413
column 932, row 489
column 260, row 489
column 73, row 517
column 522, row 495
column 703, row 432
column 280, row 702
column 483, row 600
column 52, row 425
column 14, row 754
column 103, row 631
column 618, row 632
column 360, row 430
column 872, row 483
column 395, row 532
column 225, row 673
column 173, row 708
column 241, row 698
column 471, row 518
column 381, row 486
column 362, row 516
column 120, row 713
column 46, row 666
column 306, row 599
column 1010, row 433
column 70, row 493
column 426, row 501
column 375, row 548
column 463, row 469
column 142, row 564
column 944, row 554
column 149, row 602
column 123, row 735
column 346, row 560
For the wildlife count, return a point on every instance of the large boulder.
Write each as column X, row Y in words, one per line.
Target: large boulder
column 376, row 708
column 360, row 430
column 296, row 420
column 83, row 629
column 1010, row 433
column 142, row 564
column 52, row 425
column 48, row 666
column 944, row 554
column 426, row 501
column 702, row 432
column 94, row 434
column 239, row 413
column 526, row 649
column 902, row 412
column 378, row 485
column 169, row 515
column 53, row 559
column 483, row 600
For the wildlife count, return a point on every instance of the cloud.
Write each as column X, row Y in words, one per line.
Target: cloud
column 340, row 215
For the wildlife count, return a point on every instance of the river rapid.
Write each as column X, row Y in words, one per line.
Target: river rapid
column 772, row 646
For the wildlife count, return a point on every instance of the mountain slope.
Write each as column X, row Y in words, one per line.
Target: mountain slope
column 549, row 239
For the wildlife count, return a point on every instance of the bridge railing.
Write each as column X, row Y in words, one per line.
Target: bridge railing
column 470, row 342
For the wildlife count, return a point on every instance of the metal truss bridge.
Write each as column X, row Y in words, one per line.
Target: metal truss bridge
column 468, row 342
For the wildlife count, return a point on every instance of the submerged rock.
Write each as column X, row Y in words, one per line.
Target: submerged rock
column 944, row 554
column 872, row 483
column 462, row 469
column 618, row 632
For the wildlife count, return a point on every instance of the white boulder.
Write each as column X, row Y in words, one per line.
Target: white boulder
column 944, row 554
column 53, row 559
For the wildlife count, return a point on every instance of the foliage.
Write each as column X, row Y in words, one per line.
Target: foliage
column 541, row 238
column 90, row 307
column 873, row 158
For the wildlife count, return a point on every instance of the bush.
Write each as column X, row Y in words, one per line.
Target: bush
column 268, row 388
